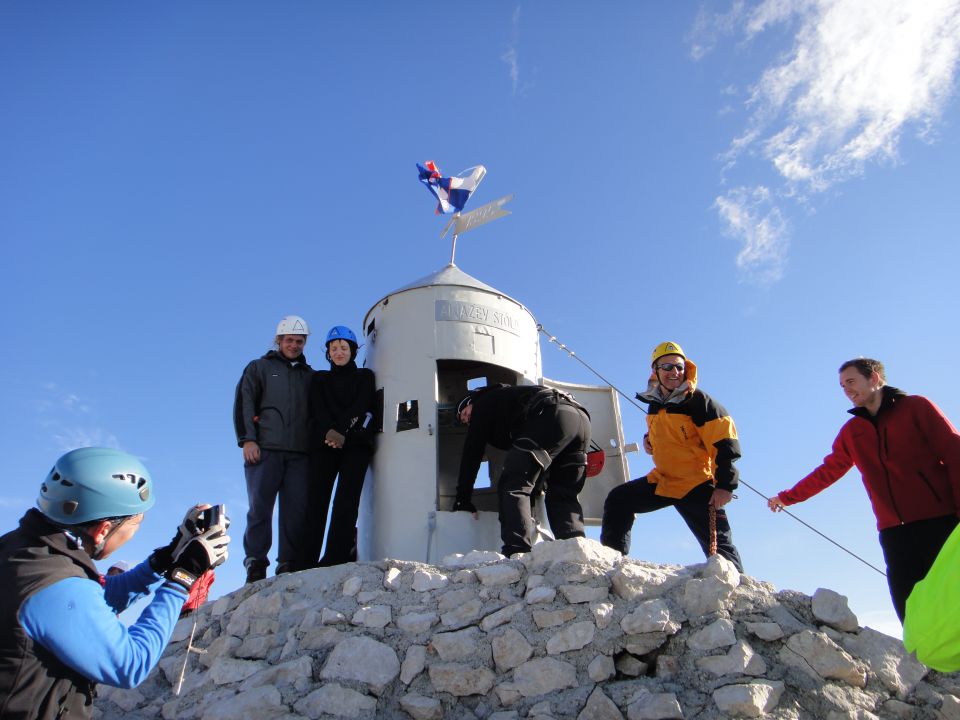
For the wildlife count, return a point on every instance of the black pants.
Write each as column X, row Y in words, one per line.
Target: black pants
column 909, row 551
column 278, row 474
column 639, row 496
column 351, row 466
column 553, row 440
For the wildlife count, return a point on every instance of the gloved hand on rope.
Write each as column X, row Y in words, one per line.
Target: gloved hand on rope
column 202, row 552
column 161, row 559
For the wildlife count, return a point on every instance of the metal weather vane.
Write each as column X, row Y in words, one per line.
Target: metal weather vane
column 452, row 194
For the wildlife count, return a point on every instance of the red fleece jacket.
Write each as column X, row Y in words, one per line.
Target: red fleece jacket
column 908, row 455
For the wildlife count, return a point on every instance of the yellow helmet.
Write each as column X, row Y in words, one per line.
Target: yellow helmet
column 666, row 348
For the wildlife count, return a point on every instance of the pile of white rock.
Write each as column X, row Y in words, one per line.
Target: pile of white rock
column 570, row 630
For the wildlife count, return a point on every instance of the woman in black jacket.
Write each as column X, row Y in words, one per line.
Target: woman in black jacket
column 341, row 414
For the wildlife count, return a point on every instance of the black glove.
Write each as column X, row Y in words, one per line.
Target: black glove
column 203, row 552
column 462, row 503
column 161, row 559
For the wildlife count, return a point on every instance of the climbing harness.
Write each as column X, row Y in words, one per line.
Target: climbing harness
column 713, row 517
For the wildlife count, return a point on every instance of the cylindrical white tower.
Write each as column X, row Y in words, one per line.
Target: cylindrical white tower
column 428, row 343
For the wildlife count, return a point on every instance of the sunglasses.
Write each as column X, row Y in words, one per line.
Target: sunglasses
column 667, row 367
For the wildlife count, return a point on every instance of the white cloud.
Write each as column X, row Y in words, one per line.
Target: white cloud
column 511, row 56
column 749, row 215
column 68, row 418
column 858, row 76
column 69, row 438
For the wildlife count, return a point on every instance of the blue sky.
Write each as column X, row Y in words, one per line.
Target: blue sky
column 771, row 184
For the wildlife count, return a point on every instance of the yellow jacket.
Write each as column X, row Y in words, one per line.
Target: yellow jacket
column 694, row 440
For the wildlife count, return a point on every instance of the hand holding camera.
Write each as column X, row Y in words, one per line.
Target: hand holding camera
column 205, row 548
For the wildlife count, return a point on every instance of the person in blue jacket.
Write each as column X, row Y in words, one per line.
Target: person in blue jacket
column 59, row 631
column 341, row 415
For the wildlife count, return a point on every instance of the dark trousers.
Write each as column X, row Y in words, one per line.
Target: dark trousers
column 351, row 466
column 909, row 551
column 553, row 440
column 639, row 496
column 278, row 474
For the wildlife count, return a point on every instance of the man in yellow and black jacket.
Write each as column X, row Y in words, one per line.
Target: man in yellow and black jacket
column 694, row 446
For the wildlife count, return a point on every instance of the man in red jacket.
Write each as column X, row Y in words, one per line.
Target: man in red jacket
column 908, row 453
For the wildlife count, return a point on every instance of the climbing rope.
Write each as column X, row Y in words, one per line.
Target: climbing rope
column 572, row 354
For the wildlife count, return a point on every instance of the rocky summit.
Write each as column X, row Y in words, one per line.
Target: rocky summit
column 570, row 630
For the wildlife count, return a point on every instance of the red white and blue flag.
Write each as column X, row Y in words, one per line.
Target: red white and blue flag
column 451, row 193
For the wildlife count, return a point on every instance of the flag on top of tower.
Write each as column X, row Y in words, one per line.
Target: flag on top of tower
column 451, row 193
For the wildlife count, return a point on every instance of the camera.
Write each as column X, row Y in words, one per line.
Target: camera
column 210, row 517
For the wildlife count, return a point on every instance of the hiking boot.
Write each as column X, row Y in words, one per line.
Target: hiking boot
column 256, row 572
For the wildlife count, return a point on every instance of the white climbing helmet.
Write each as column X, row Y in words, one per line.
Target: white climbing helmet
column 293, row 325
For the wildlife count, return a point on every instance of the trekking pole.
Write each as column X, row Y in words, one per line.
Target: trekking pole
column 186, row 657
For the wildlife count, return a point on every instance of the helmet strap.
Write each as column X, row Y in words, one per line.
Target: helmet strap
column 97, row 553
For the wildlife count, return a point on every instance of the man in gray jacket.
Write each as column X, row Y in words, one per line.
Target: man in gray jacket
column 270, row 417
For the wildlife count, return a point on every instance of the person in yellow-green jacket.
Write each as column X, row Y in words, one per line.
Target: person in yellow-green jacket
column 694, row 446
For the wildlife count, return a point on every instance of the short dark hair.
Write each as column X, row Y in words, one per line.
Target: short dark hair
column 866, row 367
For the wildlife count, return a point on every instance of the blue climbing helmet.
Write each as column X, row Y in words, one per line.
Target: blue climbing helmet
column 93, row 484
column 341, row 332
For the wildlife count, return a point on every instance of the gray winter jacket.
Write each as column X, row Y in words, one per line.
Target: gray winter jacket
column 270, row 407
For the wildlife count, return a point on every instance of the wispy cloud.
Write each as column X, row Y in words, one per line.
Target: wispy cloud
column 511, row 56
column 858, row 76
column 750, row 217
column 69, row 419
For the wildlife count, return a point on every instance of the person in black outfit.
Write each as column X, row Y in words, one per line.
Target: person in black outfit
column 341, row 414
column 543, row 431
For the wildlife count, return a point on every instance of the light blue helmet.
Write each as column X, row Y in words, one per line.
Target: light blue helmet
column 95, row 483
column 341, row 332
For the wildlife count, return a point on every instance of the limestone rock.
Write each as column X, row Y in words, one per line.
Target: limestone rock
column 424, row 580
column 543, row 675
column 643, row 581
column 749, row 700
column 572, row 637
column 260, row 702
column 230, row 670
column 574, row 550
column 715, row 635
column 413, row 663
column 832, row 608
column 460, row 680
column 602, row 613
column 364, row 660
column 655, row 706
column 768, row 631
column 391, row 579
column 601, row 668
column 499, row 574
column 458, row 645
column 552, row 618
column 583, row 593
column 650, row 616
column 351, row 586
column 510, row 649
column 897, row 669
column 421, row 708
column 372, row 616
column 416, row 623
column 809, row 650
column 500, row 617
column 540, row 594
column 600, row 707
column 333, row 699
